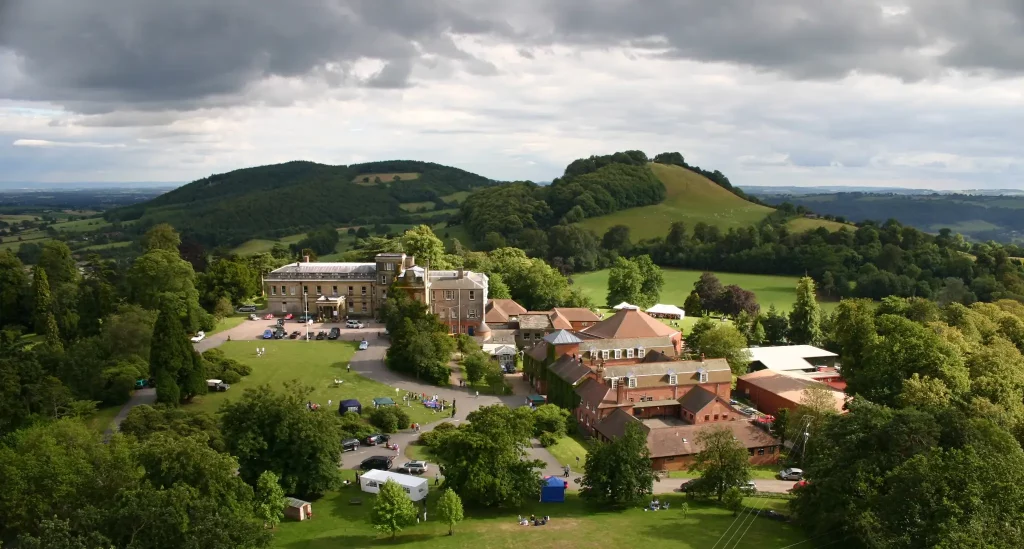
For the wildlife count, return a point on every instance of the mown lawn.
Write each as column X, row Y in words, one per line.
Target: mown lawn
column 338, row 524
column 568, row 449
column 770, row 289
column 227, row 323
column 764, row 472
column 313, row 363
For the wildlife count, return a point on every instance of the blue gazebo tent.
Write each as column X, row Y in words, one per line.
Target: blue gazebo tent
column 383, row 401
column 350, row 405
column 553, row 490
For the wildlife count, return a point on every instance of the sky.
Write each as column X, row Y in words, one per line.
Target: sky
column 906, row 93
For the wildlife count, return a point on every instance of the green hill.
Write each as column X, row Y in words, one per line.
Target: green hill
column 271, row 202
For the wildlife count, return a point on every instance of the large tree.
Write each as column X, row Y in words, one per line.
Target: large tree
column 709, row 289
column 14, row 286
column 723, row 341
column 175, row 366
column 619, row 472
column 805, row 318
column 392, row 509
column 722, row 461
column 776, row 326
column 161, row 237
column 624, row 282
column 271, row 430
column 852, row 330
column 651, row 280
column 421, row 242
column 484, row 460
column 160, row 277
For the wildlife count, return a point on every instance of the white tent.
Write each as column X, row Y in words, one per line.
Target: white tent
column 416, row 487
column 666, row 311
column 624, row 305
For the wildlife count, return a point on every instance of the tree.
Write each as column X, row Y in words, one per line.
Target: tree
column 616, row 239
column 805, row 318
column 817, row 405
column 619, row 472
column 676, row 239
column 693, row 306
column 624, row 282
column 484, row 460
column 159, row 276
column 735, row 300
column 270, row 430
column 474, row 364
column 776, row 326
column 651, row 281
column 428, row 249
column 733, row 500
column 392, row 510
column 550, row 418
column 171, row 360
column 14, row 285
column 270, row 500
column 496, row 287
column 852, row 330
column 725, row 341
column 42, row 303
column 781, row 425
column 449, row 508
column 55, row 258
column 722, row 461
column 161, row 237
column 709, row 289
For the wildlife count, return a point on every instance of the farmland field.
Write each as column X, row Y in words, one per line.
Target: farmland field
column 803, row 224
column 384, row 177
column 770, row 289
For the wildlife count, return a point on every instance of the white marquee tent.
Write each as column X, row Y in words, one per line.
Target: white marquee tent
column 624, row 305
column 416, row 487
column 666, row 311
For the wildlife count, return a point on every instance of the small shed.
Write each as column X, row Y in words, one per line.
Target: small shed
column 372, row 480
column 624, row 305
column 383, row 401
column 535, row 400
column 297, row 509
column 350, row 405
column 662, row 310
column 553, row 490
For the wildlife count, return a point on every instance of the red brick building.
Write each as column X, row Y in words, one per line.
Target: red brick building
column 770, row 391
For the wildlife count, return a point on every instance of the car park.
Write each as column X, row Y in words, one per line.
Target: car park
column 268, row 333
column 247, row 308
column 363, row 345
column 305, row 318
column 376, row 439
column 280, row 333
column 382, row 463
column 280, row 322
column 294, row 335
column 321, row 335
column 413, row 468
column 335, row 332
column 350, row 323
column 791, row 473
column 200, row 335
column 349, row 445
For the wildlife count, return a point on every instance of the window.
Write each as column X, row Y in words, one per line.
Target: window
column 449, row 295
column 384, row 293
column 670, row 459
column 707, row 418
column 618, row 353
column 441, row 313
column 350, row 307
column 629, row 353
column 725, row 417
column 472, row 295
column 472, row 312
column 318, row 291
column 335, row 291
column 389, row 266
column 615, row 382
column 760, row 451
column 453, row 312
column 771, row 450
column 364, row 307
column 640, row 352
column 273, row 290
column 350, row 290
column 290, row 290
column 305, row 290
column 383, row 279
column 750, row 451
column 673, row 379
column 703, row 376
column 604, row 354
column 716, row 417
column 632, row 382
column 363, row 290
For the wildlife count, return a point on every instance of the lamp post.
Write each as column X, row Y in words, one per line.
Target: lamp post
column 305, row 312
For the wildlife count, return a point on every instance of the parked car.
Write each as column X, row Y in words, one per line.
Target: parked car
column 748, row 487
column 413, row 468
column 510, row 368
column 216, row 386
column 305, row 317
column 382, row 463
column 350, row 445
column 200, row 335
column 295, row 335
column 791, row 473
column 268, row 333
column 690, row 485
column 253, row 317
column 268, row 316
column 321, row 335
column 289, row 316
column 376, row 439
column 280, row 333
column 280, row 322
column 351, row 323
column 335, row 332
column 363, row 345
column 247, row 308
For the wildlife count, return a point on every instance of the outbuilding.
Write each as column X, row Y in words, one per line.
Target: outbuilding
column 553, row 490
column 372, row 480
column 350, row 405
column 297, row 509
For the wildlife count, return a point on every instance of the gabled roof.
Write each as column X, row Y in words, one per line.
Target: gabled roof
column 569, row 369
column 655, row 356
column 681, row 440
column 630, row 323
column 499, row 310
column 696, row 399
column 578, row 314
column 790, row 386
column 538, row 352
column 614, row 424
column 562, row 337
column 559, row 321
column 594, row 392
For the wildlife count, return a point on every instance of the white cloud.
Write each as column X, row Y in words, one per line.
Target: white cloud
column 76, row 144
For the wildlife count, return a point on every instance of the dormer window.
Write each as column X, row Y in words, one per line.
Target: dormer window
column 632, row 382
column 703, row 375
column 640, row 352
column 673, row 379
column 604, row 354
column 629, row 353
column 618, row 354
column 615, row 382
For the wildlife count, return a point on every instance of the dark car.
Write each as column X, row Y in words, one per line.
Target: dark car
column 376, row 439
column 335, row 332
column 691, row 485
column 280, row 322
column 382, row 463
column 774, row 515
column 349, row 445
column 280, row 334
column 321, row 335
column 294, row 335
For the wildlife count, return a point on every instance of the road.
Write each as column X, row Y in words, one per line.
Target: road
column 139, row 397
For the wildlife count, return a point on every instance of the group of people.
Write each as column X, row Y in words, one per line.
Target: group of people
column 260, row 351
column 523, row 521
column 311, row 406
column 655, row 505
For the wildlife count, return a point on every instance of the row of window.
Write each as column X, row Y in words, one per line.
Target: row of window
column 607, row 354
column 453, row 312
column 451, row 295
column 291, row 290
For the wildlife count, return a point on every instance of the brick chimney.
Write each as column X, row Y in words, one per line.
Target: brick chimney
column 305, row 258
column 620, row 393
column 462, row 272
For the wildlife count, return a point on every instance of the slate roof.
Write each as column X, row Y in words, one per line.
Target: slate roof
column 630, row 323
column 678, row 367
column 696, row 399
column 562, row 337
column 614, row 424
column 499, row 335
column 559, row 321
column 595, row 393
column 569, row 369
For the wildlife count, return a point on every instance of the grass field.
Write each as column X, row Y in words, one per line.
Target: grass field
column 456, row 197
column 568, row 449
column 107, row 246
column 81, row 225
column 764, row 472
column 573, row 525
column 11, row 218
column 690, row 198
column 803, row 224
column 770, row 289
column 384, row 177
column 416, row 206
column 314, row 363
column 227, row 323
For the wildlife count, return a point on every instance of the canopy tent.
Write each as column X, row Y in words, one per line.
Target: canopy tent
column 536, row 400
column 372, row 480
column 553, row 490
column 383, row 401
column 350, row 405
column 624, row 305
column 661, row 310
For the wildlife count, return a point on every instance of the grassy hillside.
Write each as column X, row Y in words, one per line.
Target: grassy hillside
column 802, row 224
column 691, row 198
column 770, row 290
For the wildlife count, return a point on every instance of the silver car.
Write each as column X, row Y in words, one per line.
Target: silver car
column 791, row 473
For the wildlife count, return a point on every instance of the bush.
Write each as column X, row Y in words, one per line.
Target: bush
column 230, row 376
column 550, row 418
column 431, row 438
column 223, row 308
column 237, row 367
column 353, row 425
column 548, row 439
column 389, row 419
column 118, row 383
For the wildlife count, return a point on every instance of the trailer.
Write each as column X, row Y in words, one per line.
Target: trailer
column 416, row 487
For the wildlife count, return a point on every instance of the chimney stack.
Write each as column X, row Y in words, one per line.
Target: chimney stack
column 462, row 272
column 620, row 393
column 306, row 258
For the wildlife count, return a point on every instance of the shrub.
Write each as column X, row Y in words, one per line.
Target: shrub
column 237, row 367
column 223, row 308
column 548, row 439
column 431, row 438
column 230, row 376
column 389, row 419
column 353, row 425
column 550, row 418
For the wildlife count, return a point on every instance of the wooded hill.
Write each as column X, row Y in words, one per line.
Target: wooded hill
column 282, row 199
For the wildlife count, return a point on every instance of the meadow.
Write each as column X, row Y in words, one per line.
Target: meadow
column 574, row 524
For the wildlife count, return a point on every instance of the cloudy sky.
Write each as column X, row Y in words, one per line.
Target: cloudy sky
column 920, row 93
